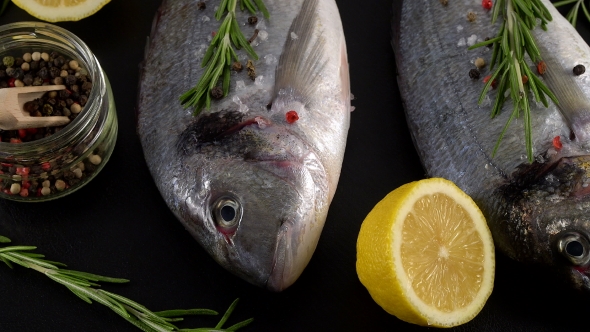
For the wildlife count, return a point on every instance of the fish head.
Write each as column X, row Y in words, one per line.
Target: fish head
column 255, row 200
column 548, row 217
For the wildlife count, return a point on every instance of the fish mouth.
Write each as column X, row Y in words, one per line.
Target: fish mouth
column 581, row 278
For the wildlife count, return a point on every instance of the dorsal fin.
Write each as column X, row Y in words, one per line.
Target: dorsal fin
column 303, row 57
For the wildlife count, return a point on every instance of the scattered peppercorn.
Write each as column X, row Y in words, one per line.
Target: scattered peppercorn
column 201, row 5
column 541, row 67
column 557, row 143
column 251, row 70
column 579, row 70
column 489, row 45
column 237, row 66
column 487, row 4
column 217, row 92
column 471, row 16
column 252, row 20
column 444, row 2
column 480, row 63
column 291, row 117
column 474, row 74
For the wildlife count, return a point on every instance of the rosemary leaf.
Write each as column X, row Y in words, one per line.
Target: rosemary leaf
column 220, row 53
column 513, row 41
column 81, row 284
column 185, row 312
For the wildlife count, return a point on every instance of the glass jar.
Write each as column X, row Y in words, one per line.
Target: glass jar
column 59, row 164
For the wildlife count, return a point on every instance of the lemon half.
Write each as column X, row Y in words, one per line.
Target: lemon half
column 61, row 10
column 426, row 255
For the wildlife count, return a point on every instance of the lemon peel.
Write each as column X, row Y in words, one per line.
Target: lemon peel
column 426, row 255
column 60, row 10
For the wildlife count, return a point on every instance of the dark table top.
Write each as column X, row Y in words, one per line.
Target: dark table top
column 119, row 226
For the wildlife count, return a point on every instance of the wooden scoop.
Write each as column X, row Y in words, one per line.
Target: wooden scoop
column 12, row 114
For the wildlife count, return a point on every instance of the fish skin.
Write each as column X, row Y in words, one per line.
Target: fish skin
column 277, row 179
column 537, row 212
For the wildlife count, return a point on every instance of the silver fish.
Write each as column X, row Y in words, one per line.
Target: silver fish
column 251, row 187
column 538, row 212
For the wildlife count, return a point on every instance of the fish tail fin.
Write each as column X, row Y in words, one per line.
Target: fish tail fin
column 303, row 59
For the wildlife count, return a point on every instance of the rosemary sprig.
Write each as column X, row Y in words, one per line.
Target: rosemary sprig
column 219, row 55
column 514, row 40
column 572, row 14
column 84, row 285
column 4, row 4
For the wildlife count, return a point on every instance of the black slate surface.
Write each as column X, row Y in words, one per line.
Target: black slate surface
column 118, row 225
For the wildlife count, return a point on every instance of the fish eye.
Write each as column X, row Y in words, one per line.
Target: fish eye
column 575, row 247
column 227, row 212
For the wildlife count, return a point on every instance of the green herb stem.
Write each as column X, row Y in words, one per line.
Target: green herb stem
column 513, row 41
column 83, row 285
column 218, row 57
column 572, row 15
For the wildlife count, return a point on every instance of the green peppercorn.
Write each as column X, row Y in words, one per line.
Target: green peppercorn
column 8, row 61
column 47, row 109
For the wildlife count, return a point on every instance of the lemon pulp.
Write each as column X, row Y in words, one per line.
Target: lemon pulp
column 60, row 10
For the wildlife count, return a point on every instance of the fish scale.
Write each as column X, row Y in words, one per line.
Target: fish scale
column 538, row 212
column 251, row 187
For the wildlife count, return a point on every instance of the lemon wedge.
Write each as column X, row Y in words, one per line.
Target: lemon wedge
column 426, row 255
column 61, row 10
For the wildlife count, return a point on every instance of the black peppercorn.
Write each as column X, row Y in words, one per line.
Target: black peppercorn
column 86, row 86
column 83, row 100
column 28, row 79
column 43, row 73
column 34, row 65
column 10, row 71
column 37, row 81
column 252, row 20
column 579, row 70
column 64, row 94
column 54, row 72
column 59, row 61
column 474, row 74
column 70, row 80
column 31, row 106
column 217, row 92
column 201, row 5
column 489, row 45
